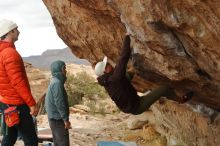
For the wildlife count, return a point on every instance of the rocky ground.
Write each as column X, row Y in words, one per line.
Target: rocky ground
column 88, row 129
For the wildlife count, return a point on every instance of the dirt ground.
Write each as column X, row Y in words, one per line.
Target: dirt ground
column 87, row 129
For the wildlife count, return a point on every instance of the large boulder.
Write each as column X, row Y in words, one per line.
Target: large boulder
column 176, row 42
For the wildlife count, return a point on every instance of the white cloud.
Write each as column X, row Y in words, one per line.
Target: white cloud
column 37, row 32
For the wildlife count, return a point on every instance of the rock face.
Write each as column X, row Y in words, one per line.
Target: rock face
column 176, row 42
column 183, row 127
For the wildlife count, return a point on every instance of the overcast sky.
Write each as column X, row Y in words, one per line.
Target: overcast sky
column 37, row 32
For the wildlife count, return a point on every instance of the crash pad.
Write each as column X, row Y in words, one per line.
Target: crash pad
column 116, row 143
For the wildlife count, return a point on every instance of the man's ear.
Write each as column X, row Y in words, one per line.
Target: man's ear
column 107, row 70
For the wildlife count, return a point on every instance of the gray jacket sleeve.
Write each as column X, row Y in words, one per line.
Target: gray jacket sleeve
column 60, row 100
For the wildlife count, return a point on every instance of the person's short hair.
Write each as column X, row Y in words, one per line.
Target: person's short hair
column 3, row 37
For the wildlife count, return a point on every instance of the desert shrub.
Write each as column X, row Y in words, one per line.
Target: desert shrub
column 96, row 107
column 75, row 98
column 82, row 85
column 102, row 109
column 92, row 106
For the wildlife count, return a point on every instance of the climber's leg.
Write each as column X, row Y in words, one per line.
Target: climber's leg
column 147, row 100
column 188, row 96
column 170, row 94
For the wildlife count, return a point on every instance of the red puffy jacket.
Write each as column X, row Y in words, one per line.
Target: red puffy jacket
column 14, row 85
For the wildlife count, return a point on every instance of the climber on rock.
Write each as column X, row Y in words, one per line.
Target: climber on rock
column 121, row 90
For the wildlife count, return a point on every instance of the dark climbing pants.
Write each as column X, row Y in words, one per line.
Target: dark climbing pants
column 60, row 134
column 147, row 100
column 25, row 127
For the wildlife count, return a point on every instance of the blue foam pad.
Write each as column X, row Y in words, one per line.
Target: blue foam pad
column 116, row 143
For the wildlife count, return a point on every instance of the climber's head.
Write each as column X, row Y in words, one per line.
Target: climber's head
column 103, row 67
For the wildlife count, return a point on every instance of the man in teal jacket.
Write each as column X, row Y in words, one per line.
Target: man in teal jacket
column 57, row 105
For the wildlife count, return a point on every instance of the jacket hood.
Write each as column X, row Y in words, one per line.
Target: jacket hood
column 56, row 70
column 103, row 80
column 4, row 44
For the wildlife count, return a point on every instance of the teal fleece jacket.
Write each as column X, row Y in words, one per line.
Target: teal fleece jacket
column 56, row 98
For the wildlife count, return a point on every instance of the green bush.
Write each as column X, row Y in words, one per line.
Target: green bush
column 82, row 85
column 96, row 107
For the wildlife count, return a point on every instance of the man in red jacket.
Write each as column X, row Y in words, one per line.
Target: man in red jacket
column 14, row 87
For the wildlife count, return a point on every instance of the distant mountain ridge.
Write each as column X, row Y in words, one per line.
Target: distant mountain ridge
column 46, row 58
